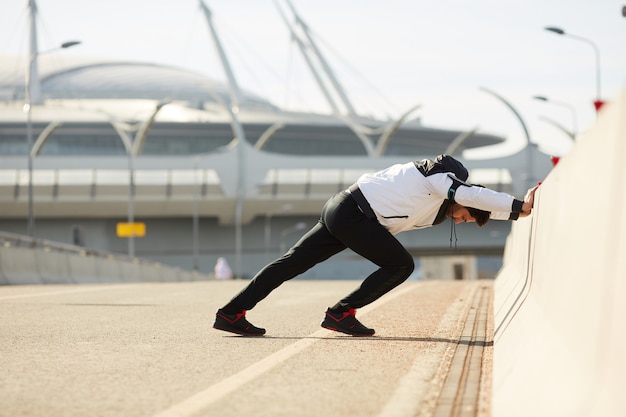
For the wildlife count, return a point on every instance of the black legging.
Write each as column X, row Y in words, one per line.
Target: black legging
column 342, row 225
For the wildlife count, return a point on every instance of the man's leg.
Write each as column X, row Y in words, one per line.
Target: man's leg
column 314, row 247
column 372, row 241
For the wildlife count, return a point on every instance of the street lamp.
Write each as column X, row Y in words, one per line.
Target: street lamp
column 133, row 148
column 268, row 230
column 196, row 216
column 574, row 131
column 31, row 97
column 529, row 145
column 598, row 102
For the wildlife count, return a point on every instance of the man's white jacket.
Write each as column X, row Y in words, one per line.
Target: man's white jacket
column 404, row 199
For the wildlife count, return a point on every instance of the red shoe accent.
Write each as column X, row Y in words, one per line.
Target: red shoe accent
column 238, row 316
column 350, row 312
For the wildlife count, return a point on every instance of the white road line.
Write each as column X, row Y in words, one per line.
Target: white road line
column 68, row 291
column 200, row 401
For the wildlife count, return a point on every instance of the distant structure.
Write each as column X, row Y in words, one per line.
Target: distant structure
column 210, row 169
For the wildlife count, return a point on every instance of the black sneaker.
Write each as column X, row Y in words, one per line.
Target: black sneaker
column 346, row 323
column 236, row 323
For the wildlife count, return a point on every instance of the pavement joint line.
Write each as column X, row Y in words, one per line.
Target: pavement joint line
column 460, row 394
column 61, row 292
column 411, row 397
column 198, row 402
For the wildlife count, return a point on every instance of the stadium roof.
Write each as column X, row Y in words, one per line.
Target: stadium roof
column 122, row 93
column 97, row 79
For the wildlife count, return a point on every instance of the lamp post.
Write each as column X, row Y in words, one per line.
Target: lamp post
column 574, row 131
column 32, row 96
column 598, row 103
column 196, row 216
column 268, row 228
column 133, row 149
column 529, row 145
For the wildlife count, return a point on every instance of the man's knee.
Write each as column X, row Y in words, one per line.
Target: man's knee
column 403, row 269
column 408, row 268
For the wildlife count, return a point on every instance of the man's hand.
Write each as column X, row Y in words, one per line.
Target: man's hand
column 529, row 202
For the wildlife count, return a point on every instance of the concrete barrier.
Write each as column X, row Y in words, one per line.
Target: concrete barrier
column 19, row 265
column 83, row 269
column 108, row 270
column 560, row 298
column 24, row 265
column 3, row 278
column 53, row 267
column 130, row 271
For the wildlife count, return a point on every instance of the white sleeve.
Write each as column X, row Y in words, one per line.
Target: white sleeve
column 501, row 215
column 484, row 199
column 502, row 206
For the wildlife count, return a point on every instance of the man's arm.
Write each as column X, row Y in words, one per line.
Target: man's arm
column 502, row 206
column 519, row 208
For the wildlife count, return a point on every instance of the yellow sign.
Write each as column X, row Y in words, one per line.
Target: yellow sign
column 131, row 229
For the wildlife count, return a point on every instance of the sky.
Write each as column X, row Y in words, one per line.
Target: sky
column 389, row 55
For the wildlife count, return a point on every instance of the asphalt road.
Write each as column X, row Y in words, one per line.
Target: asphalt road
column 149, row 350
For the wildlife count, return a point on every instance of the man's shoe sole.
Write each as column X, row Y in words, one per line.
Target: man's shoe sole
column 335, row 329
column 239, row 332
